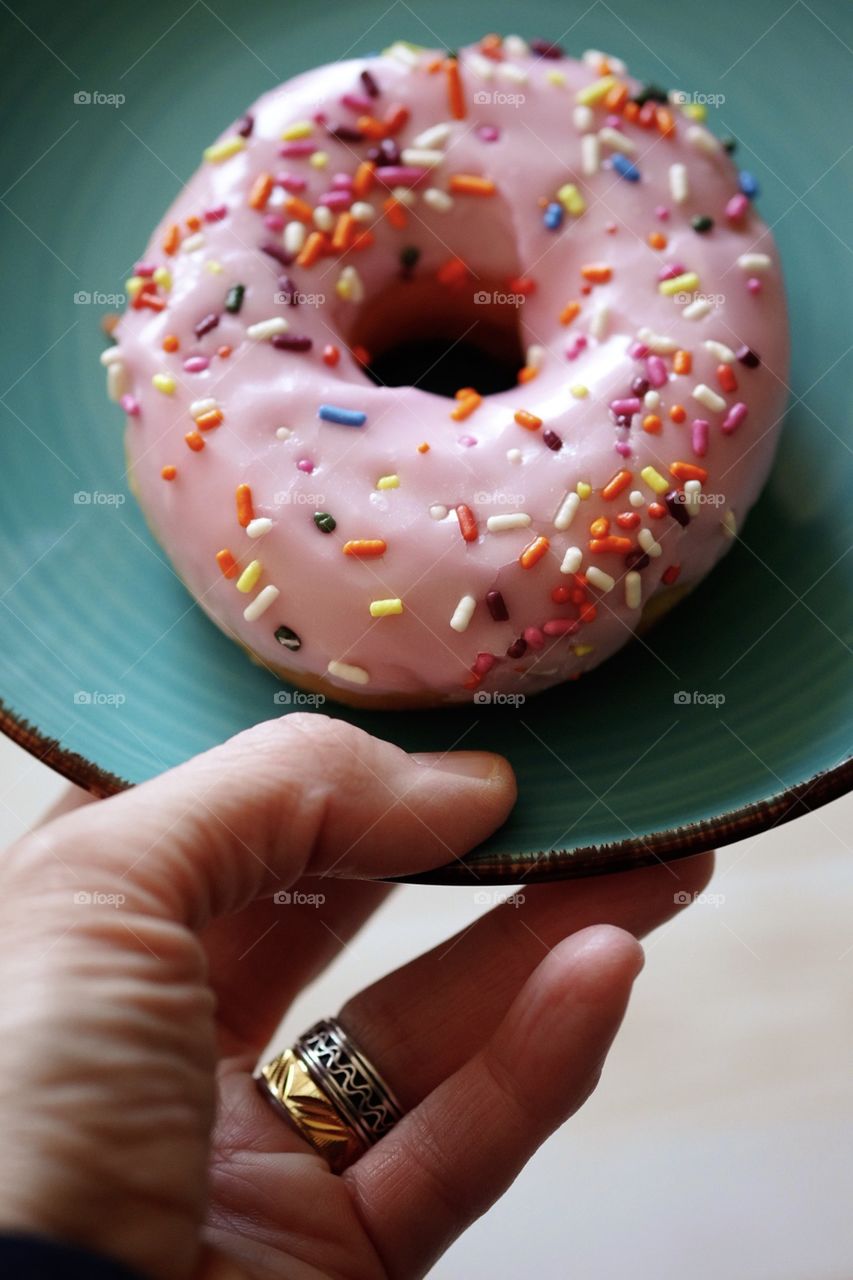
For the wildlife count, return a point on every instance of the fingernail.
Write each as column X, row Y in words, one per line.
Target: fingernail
column 465, row 764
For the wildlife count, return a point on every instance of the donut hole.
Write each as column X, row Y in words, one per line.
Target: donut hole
column 420, row 333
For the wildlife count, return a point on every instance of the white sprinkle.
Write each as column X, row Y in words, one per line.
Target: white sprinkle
column 678, row 185
column 283, row 433
column 534, row 355
column 692, row 490
column 435, row 136
column 599, row 322
column 599, row 579
column 198, row 407
column 118, row 382
column 590, row 152
column 438, row 200
column 571, row 560
column 636, row 498
column 110, row 355
column 594, row 58
column 657, row 342
column 463, row 613
column 293, row 236
column 616, row 141
column 583, row 119
column 261, row 603
column 565, row 513
column 651, row 401
column 696, row 309
column 362, row 211
column 481, row 67
column 266, row 329
column 511, row 73
column 516, row 46
column 511, row 520
column 437, row 511
column 259, row 526
column 345, row 671
column 720, row 351
column 324, row 219
column 708, row 398
column 633, row 589
column 402, row 53
column 513, row 456
column 647, row 541
column 192, row 242
column 729, row 524
column 422, row 157
column 702, row 140
column 349, row 285
column 755, row 262
column 404, row 196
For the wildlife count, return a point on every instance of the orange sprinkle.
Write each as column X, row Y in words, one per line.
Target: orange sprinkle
column 600, row 527
column 313, row 249
column 652, row 424
column 170, row 342
column 194, row 223
column 678, row 413
column 194, row 441
column 227, row 563
column 521, row 284
column 223, row 352
column 363, row 240
column 726, row 377
column 528, row 420
column 657, row 510
column 245, row 509
column 331, row 355
column 469, row 184
column 616, row 98
column 688, row 471
column 467, row 522
column 149, row 300
column 466, row 406
column 463, row 392
column 455, row 96
column 207, row 421
column 396, row 117
column 597, row 272
column 365, row 176
column 665, row 121
column 423, row 447
column 435, row 64
column 682, row 362
column 527, row 373
column 570, row 310
column 172, row 239
column 648, row 115
column 365, row 548
column 343, row 232
column 395, row 212
column 588, row 613
column 360, row 354
column 490, row 47
column 628, row 519
column 261, row 191
column 657, row 240
column 299, row 209
column 616, row 484
column 454, row 271
column 533, row 552
column 631, row 110
column 169, row 472
column 598, row 546
column 372, row 128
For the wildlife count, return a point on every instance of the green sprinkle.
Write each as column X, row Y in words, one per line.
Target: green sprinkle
column 325, row 522
column 701, row 223
column 409, row 257
column 234, row 299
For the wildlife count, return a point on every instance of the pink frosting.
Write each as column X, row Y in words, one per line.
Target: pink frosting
column 521, row 133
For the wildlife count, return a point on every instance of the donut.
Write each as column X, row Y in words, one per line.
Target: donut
column 446, row 370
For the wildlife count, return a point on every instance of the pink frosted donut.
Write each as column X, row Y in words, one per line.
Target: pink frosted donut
column 394, row 546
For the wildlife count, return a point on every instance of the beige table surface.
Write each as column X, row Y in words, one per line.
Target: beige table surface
column 719, row 1145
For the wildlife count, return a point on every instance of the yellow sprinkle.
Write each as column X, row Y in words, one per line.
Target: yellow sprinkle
column 571, row 199
column 579, row 391
column 385, row 608
column 133, row 285
column 679, row 284
column 581, row 650
column 343, row 288
column 249, row 576
column 318, row 159
column 164, row 382
column 220, row 151
column 594, row 92
column 556, row 77
column 695, row 110
column 215, row 268
column 294, row 132
column 654, row 480
column 583, row 489
column 163, row 277
column 388, row 482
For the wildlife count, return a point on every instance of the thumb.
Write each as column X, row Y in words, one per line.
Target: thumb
column 305, row 794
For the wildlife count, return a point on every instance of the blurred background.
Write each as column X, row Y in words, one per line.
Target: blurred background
column 720, row 1141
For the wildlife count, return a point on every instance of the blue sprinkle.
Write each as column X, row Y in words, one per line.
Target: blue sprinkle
column 553, row 217
column 748, row 184
column 345, row 417
column 623, row 166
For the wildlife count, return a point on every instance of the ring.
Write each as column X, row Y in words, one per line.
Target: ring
column 332, row 1095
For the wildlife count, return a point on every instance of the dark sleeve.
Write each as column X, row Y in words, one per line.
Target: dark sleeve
column 37, row 1258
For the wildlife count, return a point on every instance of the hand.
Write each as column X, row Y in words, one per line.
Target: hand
column 130, row 1021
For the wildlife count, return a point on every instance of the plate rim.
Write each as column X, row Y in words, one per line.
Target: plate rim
column 664, row 846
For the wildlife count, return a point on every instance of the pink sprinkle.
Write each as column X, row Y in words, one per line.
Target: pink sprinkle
column 611, row 228
column 468, row 441
column 358, row 103
column 274, row 221
column 737, row 207
column 579, row 344
column 670, row 272
column 483, row 663
column 401, row 175
column 638, row 350
column 656, row 371
column 488, row 133
column 534, row 637
column 754, row 285
column 336, row 199
column 630, row 405
column 734, row 417
column 196, row 364
column 622, row 448
column 291, row 182
column 216, row 214
column 306, row 465
column 319, row 117
column 699, row 437
column 145, row 269
column 614, row 122
column 130, row 404
column 561, row 627
column 342, row 181
column 662, row 212
column 300, row 147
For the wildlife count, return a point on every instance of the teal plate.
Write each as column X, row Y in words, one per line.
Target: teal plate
column 109, row 671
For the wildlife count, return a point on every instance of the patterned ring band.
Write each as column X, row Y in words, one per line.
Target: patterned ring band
column 331, row 1093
